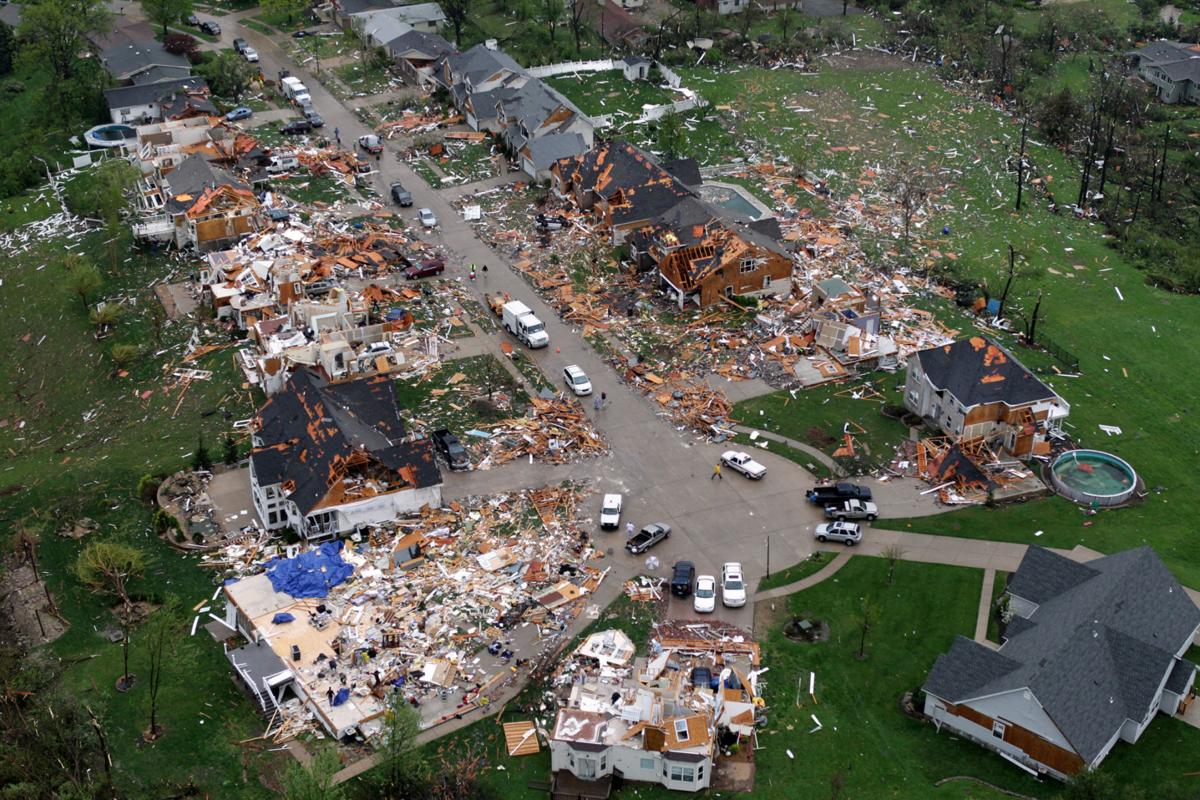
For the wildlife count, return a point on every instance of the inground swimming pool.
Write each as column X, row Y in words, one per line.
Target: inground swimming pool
column 735, row 198
column 1092, row 477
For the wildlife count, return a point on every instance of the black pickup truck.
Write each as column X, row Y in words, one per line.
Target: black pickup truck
column 837, row 493
column 451, row 449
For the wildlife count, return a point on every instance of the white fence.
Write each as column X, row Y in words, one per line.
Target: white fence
column 565, row 67
column 673, row 79
column 652, row 113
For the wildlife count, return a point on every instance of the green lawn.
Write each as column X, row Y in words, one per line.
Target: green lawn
column 468, row 161
column 598, row 93
column 308, row 189
column 362, row 79
column 255, row 25
column 434, row 402
column 809, row 566
column 998, row 586
column 283, row 21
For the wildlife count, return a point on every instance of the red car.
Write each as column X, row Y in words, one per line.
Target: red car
column 426, row 269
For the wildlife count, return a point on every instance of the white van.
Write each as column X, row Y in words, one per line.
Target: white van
column 282, row 162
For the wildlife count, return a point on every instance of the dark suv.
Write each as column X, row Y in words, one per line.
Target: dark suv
column 682, row 578
column 451, row 449
column 837, row 493
column 296, row 127
column 211, row 28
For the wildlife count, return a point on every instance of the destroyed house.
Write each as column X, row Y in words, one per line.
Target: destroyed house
column 197, row 204
column 620, row 184
column 1093, row 652
column 973, row 389
column 416, row 53
column 330, row 458
column 703, row 256
column 652, row 720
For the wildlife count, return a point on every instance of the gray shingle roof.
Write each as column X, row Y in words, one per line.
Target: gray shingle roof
column 1096, row 651
column 144, row 94
column 191, row 177
column 977, row 370
column 545, row 150
column 1183, row 671
column 479, row 63
column 123, row 59
column 419, row 44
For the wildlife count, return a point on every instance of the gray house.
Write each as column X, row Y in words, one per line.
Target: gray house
column 1172, row 68
column 143, row 62
column 1093, row 651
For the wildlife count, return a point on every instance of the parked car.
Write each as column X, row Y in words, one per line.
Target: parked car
column 706, row 595
column 610, row 511
column 241, row 112
column 733, row 586
column 576, row 380
column 296, row 127
column 301, row 34
column 192, row 19
column 314, row 118
column 426, row 269
column 551, row 222
column 401, row 196
column 852, row 509
column 371, row 143
column 743, row 463
column 427, row 218
column 240, row 44
column 683, row 574
column 319, row 288
column 375, row 349
column 250, row 54
column 451, row 449
column 210, row 27
column 847, row 533
column 836, row 493
column 647, row 537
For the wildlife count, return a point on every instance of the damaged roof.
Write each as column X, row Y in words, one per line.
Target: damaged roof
column 306, row 433
column 977, row 370
column 1093, row 653
column 634, row 184
column 419, row 44
column 189, row 181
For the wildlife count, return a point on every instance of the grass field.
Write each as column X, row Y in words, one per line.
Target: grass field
column 809, row 566
column 608, row 92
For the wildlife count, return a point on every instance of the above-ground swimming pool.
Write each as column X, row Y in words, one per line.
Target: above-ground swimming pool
column 109, row 135
column 1090, row 476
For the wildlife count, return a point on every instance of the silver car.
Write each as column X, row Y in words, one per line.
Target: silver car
column 427, row 218
column 848, row 533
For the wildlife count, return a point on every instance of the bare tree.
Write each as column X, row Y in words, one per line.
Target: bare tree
column 893, row 553
column 1017, row 268
column 1021, row 162
column 911, row 188
column 161, row 639
column 552, row 14
column 578, row 22
column 865, row 618
column 108, row 568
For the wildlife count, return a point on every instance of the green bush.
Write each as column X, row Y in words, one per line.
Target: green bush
column 147, row 488
column 165, row 521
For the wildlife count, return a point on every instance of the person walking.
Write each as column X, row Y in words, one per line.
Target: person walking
column 603, row 400
column 596, row 404
column 485, row 272
column 628, row 531
column 337, row 136
column 716, row 476
column 472, row 273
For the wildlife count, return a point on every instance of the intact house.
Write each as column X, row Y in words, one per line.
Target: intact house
column 703, row 256
column 196, row 204
column 416, row 54
column 725, row 7
column 330, row 457
column 652, row 720
column 367, row 16
column 143, row 62
column 1172, row 68
column 1094, row 650
column 975, row 389
column 146, row 103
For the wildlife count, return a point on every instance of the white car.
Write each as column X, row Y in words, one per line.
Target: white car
column 250, row 54
column 577, row 381
column 848, row 533
column 705, row 601
column 733, row 587
column 375, row 349
column 610, row 511
column 744, row 464
column 427, row 218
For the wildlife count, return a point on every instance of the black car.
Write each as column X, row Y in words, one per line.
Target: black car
column 401, row 195
column 210, row 27
column 314, row 118
column 682, row 578
column 239, row 44
column 647, row 537
column 451, row 449
column 296, row 127
column 551, row 222
column 302, row 34
column 837, row 493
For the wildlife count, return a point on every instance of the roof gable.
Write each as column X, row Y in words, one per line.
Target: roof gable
column 977, row 370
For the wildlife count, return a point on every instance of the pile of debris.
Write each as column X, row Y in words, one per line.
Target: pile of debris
column 556, row 431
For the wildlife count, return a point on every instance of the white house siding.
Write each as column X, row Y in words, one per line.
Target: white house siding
column 134, row 114
column 1013, row 707
column 936, row 711
column 644, row 766
column 386, row 507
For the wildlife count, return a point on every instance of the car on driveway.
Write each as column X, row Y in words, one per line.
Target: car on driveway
column 192, row 19
column 576, row 380
column 301, row 34
column 836, row 493
column 319, row 288
column 250, row 54
column 240, row 45
column 451, row 449
column 610, row 512
column 296, row 127
column 426, row 269
column 371, row 143
column 647, row 537
column 683, row 574
column 241, row 112
column 706, row 595
column 401, row 196
column 852, row 509
column 848, row 533
column 743, row 463
column 733, row 586
column 427, row 218
column 210, row 27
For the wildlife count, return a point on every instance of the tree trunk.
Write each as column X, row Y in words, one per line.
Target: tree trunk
column 1021, row 163
column 1012, row 259
column 1033, row 320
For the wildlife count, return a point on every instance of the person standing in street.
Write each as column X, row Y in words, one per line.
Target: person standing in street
column 603, row 400
column 628, row 531
column 716, row 476
column 337, row 136
column 596, row 404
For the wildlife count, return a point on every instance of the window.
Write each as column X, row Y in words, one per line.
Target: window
column 603, row 762
column 998, row 729
column 647, row 764
column 748, row 265
column 571, row 757
column 699, row 772
column 680, row 772
column 273, row 518
column 681, row 730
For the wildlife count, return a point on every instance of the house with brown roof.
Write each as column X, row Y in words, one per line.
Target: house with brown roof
column 974, row 389
column 331, row 457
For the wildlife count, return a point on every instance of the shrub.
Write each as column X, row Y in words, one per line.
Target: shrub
column 164, row 521
column 147, row 488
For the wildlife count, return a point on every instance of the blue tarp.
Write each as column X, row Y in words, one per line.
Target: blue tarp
column 282, row 617
column 342, row 696
column 993, row 307
column 310, row 574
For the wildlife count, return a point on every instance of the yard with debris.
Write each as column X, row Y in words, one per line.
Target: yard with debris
column 603, row 93
column 461, row 395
